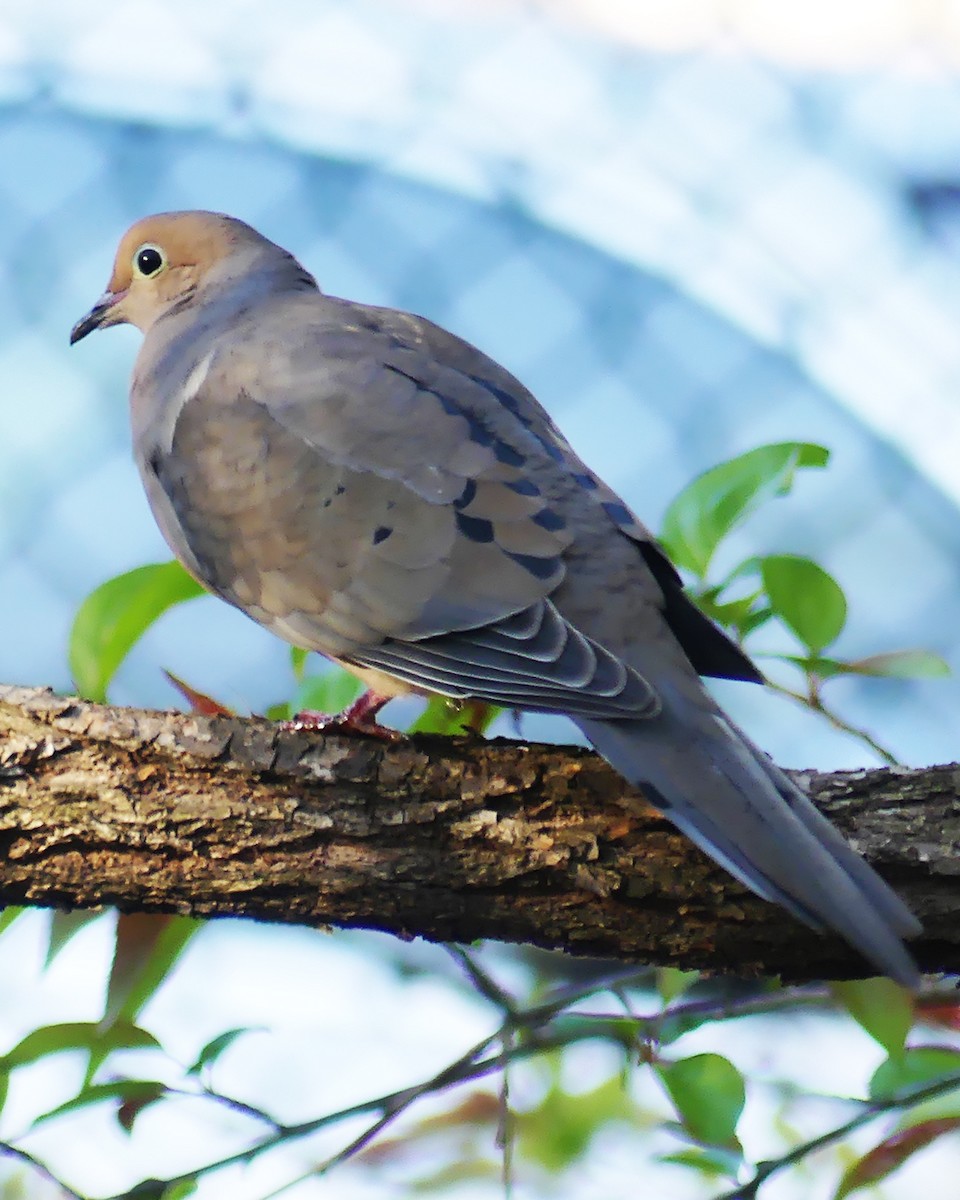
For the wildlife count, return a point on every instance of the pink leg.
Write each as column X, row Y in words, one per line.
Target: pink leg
column 359, row 717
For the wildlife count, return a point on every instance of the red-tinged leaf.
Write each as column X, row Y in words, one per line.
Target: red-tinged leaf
column 126, row 1091
column 892, row 1153
column 945, row 1015
column 147, row 948
column 199, row 702
column 133, row 1105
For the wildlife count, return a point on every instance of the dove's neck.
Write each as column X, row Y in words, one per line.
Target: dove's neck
column 178, row 347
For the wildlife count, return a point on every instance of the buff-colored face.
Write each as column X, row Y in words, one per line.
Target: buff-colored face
column 160, row 260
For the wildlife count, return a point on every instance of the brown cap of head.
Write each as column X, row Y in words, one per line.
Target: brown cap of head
column 163, row 259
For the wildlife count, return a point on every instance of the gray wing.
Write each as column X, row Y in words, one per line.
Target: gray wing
column 494, row 403
column 362, row 499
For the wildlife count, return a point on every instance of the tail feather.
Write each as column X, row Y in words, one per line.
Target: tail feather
column 730, row 799
column 879, row 893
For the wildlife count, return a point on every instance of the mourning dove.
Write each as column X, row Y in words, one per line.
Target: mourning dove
column 367, row 485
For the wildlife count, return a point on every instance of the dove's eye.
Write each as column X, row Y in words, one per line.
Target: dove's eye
column 148, row 260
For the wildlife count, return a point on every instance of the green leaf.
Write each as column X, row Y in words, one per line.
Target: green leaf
column 919, row 1065
column 892, row 1153
column 298, row 662
column 708, row 1093
column 64, row 925
column 147, row 949
column 672, row 982
column 813, row 664
column 116, row 615
column 901, row 664
column 881, row 1007
column 76, row 1035
column 709, row 507
column 559, row 1130
column 180, row 1189
column 714, row 1162
column 152, row 1189
column 216, row 1046
column 742, row 614
column 451, row 718
column 139, row 1091
column 809, row 601
column 9, row 915
column 330, row 692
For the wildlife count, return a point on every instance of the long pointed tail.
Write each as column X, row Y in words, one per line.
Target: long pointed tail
column 729, row 798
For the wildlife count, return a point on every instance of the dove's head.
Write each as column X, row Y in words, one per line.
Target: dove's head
column 163, row 260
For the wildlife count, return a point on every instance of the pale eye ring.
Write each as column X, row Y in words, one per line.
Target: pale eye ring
column 148, row 260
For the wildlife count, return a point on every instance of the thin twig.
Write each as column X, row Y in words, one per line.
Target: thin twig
column 238, row 1106
column 506, row 1124
column 816, row 704
column 870, row 1112
column 485, row 984
column 7, row 1150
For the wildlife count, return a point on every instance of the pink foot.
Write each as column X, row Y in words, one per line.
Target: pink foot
column 357, row 718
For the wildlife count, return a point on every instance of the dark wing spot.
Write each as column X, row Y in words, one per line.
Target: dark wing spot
column 477, row 529
column 507, row 399
column 479, row 433
column 555, row 451
column 539, row 568
column 450, row 407
column 585, row 481
column 381, row 533
column 547, row 519
column 617, row 512
column 466, row 496
column 340, row 489
column 506, row 454
column 523, row 487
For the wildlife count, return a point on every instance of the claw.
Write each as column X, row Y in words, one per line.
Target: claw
column 356, row 718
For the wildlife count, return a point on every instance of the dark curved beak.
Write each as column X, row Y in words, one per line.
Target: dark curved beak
column 95, row 318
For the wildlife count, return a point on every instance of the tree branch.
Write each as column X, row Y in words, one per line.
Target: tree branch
column 451, row 839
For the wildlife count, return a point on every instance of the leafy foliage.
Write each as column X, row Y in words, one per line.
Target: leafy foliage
column 113, row 618
column 708, row 1093
column 710, row 507
column 893, row 1152
column 702, row 1093
column 883, row 1009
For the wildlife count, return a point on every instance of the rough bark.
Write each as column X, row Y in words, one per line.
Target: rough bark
column 451, row 839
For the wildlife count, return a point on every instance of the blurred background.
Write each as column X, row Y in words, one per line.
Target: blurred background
column 690, row 226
